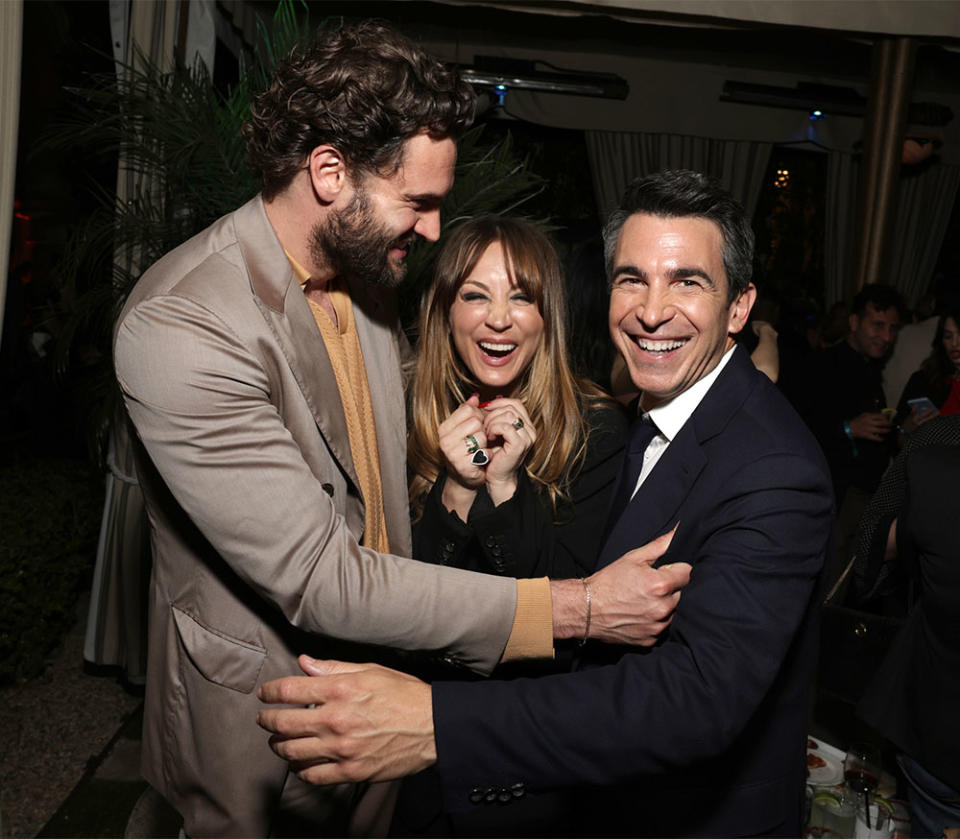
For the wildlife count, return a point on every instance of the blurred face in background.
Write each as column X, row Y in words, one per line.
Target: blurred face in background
column 874, row 333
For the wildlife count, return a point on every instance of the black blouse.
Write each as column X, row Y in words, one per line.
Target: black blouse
column 522, row 537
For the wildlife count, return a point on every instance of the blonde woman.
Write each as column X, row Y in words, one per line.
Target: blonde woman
column 512, row 456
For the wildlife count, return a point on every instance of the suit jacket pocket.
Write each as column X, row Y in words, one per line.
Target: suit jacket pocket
column 226, row 661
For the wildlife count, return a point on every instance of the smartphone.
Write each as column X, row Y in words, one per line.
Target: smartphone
column 921, row 405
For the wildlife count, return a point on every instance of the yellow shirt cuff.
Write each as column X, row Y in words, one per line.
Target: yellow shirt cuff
column 532, row 632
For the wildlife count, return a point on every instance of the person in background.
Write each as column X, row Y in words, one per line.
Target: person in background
column 939, row 377
column 913, row 345
column 844, row 405
column 914, row 698
column 762, row 339
column 878, row 583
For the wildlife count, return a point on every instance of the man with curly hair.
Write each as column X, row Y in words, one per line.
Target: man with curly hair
column 260, row 366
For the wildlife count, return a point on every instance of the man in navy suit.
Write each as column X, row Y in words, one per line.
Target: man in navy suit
column 705, row 733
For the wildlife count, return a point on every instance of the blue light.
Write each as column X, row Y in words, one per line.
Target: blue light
column 816, row 114
column 501, row 87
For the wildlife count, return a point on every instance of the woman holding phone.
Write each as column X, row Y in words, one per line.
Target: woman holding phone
column 934, row 390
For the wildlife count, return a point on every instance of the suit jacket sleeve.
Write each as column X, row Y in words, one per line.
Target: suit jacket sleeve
column 201, row 401
column 757, row 540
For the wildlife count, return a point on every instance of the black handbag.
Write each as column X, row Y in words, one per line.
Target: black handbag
column 853, row 645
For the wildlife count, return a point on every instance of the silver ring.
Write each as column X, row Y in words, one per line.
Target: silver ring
column 472, row 444
column 517, row 423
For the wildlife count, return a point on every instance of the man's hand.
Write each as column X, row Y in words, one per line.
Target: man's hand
column 367, row 722
column 631, row 602
column 871, row 425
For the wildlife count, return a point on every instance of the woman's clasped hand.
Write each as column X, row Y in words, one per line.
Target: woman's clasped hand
column 502, row 430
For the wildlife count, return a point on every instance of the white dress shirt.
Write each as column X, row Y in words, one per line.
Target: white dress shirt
column 671, row 416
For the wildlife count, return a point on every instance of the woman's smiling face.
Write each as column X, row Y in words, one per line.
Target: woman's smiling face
column 496, row 327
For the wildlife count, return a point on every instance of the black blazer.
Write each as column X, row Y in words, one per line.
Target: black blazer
column 704, row 734
column 915, row 696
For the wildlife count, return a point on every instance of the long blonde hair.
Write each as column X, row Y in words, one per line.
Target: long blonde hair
column 552, row 395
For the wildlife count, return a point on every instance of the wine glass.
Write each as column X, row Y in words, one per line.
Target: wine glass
column 861, row 771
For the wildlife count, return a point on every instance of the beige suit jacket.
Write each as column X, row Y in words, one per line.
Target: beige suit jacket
column 256, row 515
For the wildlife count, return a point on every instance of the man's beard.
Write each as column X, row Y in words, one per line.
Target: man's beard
column 356, row 245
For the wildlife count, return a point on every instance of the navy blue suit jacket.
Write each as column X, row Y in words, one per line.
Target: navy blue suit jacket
column 705, row 733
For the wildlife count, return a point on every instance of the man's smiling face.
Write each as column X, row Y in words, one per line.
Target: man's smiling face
column 669, row 315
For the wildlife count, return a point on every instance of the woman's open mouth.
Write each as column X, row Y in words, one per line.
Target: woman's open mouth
column 496, row 352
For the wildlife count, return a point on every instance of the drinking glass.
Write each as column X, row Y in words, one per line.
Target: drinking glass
column 861, row 771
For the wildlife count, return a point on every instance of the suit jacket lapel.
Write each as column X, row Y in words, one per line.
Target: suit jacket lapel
column 656, row 506
column 288, row 315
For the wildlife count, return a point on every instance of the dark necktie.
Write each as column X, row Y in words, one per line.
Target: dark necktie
column 642, row 431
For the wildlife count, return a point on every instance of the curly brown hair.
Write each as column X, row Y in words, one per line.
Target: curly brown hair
column 363, row 88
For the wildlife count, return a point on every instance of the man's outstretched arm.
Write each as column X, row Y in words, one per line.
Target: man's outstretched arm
column 365, row 721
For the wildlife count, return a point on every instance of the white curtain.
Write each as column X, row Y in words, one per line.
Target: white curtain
column 11, row 36
column 116, row 622
column 617, row 157
column 841, row 200
column 924, row 203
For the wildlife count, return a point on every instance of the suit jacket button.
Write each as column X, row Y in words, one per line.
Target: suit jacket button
column 504, row 796
column 518, row 790
column 490, row 542
column 476, row 795
column 490, row 795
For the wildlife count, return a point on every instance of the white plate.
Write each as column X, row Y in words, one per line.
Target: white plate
column 831, row 773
